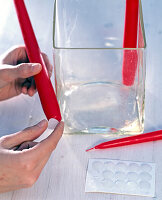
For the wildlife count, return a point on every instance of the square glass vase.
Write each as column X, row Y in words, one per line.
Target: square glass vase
column 99, row 81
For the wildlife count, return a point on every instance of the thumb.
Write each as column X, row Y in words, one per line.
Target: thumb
column 28, row 134
column 24, row 70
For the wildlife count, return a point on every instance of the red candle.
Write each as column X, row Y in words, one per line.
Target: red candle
column 44, row 86
column 130, row 57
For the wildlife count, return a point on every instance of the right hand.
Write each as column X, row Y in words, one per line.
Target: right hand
column 21, row 159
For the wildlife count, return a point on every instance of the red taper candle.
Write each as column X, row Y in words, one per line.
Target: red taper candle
column 130, row 57
column 44, row 86
column 145, row 137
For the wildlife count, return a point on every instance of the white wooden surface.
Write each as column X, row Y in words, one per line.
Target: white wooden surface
column 63, row 178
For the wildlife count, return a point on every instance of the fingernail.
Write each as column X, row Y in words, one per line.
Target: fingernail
column 60, row 125
column 36, row 67
column 42, row 123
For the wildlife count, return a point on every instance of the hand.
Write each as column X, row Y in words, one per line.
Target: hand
column 16, row 73
column 21, row 159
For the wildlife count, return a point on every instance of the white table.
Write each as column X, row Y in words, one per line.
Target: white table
column 63, row 178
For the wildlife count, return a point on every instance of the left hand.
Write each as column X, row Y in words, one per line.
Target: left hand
column 16, row 73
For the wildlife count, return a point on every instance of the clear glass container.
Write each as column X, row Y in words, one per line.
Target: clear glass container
column 90, row 74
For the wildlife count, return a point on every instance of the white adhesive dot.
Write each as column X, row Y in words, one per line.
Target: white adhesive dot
column 134, row 167
column 108, row 183
column 107, row 174
column 109, row 165
column 93, row 173
column 132, row 185
column 97, row 166
column 121, row 166
column 145, row 176
column 52, row 123
column 144, row 185
column 146, row 167
column 132, row 176
column 120, row 176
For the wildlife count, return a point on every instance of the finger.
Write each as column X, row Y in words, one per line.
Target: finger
column 29, row 86
column 27, row 134
column 24, row 70
column 52, row 140
column 27, row 70
column 32, row 89
column 24, row 90
column 48, row 64
column 46, row 146
column 42, row 151
column 25, row 145
column 24, row 87
column 15, row 55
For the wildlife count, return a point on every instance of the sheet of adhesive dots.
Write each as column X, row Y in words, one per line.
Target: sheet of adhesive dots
column 120, row 177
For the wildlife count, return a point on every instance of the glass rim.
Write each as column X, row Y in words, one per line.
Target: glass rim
column 99, row 48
